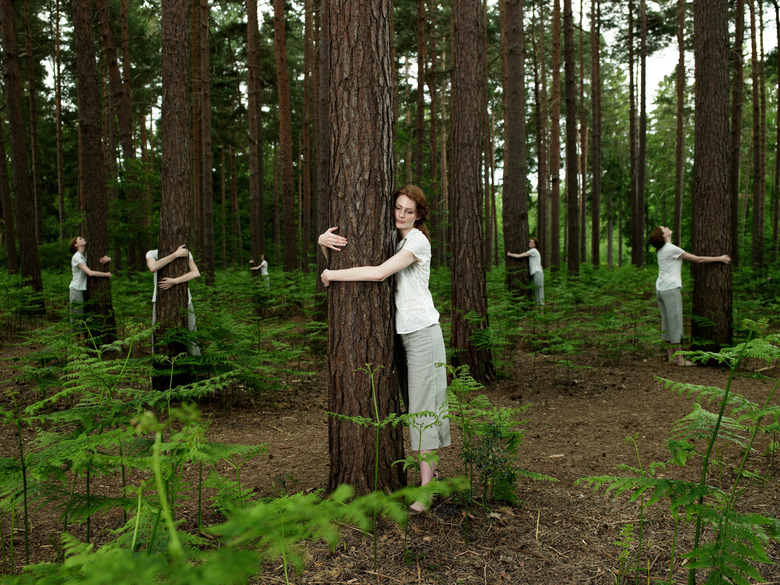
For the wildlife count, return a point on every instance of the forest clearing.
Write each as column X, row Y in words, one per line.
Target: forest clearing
column 588, row 376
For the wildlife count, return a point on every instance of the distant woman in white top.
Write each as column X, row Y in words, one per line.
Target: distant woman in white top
column 154, row 262
column 668, row 288
column 416, row 321
column 534, row 267
column 263, row 268
column 78, row 285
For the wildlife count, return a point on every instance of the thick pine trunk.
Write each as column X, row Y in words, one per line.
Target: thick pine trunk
column 469, row 293
column 175, row 169
column 94, row 172
column 515, row 198
column 711, row 219
column 360, row 314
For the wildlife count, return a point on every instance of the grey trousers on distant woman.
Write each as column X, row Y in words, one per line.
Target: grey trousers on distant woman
column 427, row 388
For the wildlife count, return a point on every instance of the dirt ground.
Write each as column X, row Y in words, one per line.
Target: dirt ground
column 559, row 533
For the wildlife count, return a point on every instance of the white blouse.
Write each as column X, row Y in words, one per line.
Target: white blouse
column 414, row 308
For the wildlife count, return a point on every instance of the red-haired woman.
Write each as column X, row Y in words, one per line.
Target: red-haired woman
column 534, row 267
column 416, row 321
column 668, row 288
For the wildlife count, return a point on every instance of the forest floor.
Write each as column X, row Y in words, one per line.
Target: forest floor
column 560, row 532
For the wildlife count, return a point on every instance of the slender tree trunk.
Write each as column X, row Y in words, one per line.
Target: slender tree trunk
column 35, row 154
column 196, row 240
column 469, row 292
column 711, row 221
column 679, row 175
column 238, row 240
column 758, row 147
column 206, row 154
column 307, row 243
column 583, row 141
column 24, row 209
column 572, row 189
column 641, row 165
column 776, row 179
column 95, row 186
column 637, row 245
column 541, row 116
column 555, row 142
column 175, row 170
column 433, row 190
column 254, row 112
column 595, row 71
column 285, row 137
column 419, row 126
column 223, row 204
column 360, row 314
column 58, row 122
column 515, row 197
column 121, row 99
column 9, row 229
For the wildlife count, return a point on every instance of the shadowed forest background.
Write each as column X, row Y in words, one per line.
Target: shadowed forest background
column 248, row 129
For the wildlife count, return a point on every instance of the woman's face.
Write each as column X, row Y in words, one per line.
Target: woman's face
column 80, row 242
column 666, row 231
column 405, row 213
column 531, row 244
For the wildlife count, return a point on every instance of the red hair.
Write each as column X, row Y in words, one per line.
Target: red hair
column 416, row 194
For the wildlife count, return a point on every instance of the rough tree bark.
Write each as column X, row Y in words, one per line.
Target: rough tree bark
column 469, row 290
column 515, row 198
column 572, row 170
column 285, row 138
column 360, row 178
column 95, row 187
column 175, row 213
column 711, row 221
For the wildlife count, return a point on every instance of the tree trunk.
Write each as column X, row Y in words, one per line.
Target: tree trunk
column 196, row 240
column 469, row 294
column 360, row 186
column 641, row 164
column 419, row 124
column 9, row 230
column 433, row 190
column 238, row 240
column 24, row 210
column 58, row 122
column 175, row 170
column 679, row 175
column 572, row 189
column 206, row 154
column 94, row 173
column 254, row 112
column 595, row 198
column 555, row 142
column 35, row 151
column 515, row 198
column 541, row 116
column 758, row 148
column 307, row 243
column 121, row 100
column 711, row 221
column 776, row 178
column 637, row 245
column 285, row 138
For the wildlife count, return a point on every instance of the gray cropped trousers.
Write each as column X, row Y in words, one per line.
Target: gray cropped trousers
column 427, row 384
